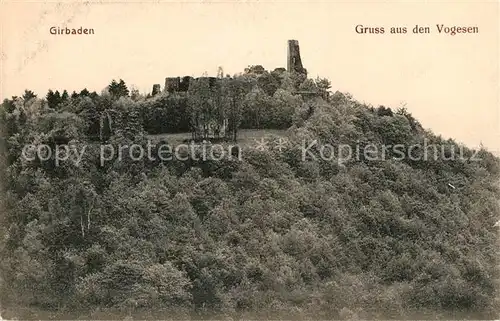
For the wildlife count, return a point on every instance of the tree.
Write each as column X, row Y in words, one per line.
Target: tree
column 308, row 85
column 126, row 117
column 257, row 109
column 324, row 86
column 8, row 105
column 28, row 94
column 135, row 95
column 53, row 99
column 383, row 111
column 268, row 83
column 255, row 69
column 105, row 127
column 118, row 89
column 206, row 107
column 50, row 97
column 91, row 115
column 403, row 111
column 268, row 232
column 286, row 106
column 64, row 96
column 233, row 94
column 199, row 107
column 220, row 72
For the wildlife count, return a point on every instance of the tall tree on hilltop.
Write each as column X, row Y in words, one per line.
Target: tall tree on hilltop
column 64, row 96
column 84, row 92
column 118, row 89
column 256, row 107
column 8, row 105
column 233, row 95
column 53, row 99
column 28, row 95
column 268, row 83
column 50, row 97
column 199, row 106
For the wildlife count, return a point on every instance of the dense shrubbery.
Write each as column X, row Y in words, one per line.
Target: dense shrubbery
column 265, row 100
column 266, row 236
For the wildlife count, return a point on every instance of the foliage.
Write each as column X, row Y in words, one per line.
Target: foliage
column 265, row 236
column 118, row 89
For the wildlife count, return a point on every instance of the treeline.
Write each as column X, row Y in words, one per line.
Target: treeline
column 255, row 99
column 267, row 236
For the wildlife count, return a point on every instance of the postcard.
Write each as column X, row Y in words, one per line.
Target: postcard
column 223, row 160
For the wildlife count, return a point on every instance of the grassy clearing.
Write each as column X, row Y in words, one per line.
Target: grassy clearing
column 245, row 136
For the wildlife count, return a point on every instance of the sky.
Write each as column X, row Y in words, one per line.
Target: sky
column 449, row 83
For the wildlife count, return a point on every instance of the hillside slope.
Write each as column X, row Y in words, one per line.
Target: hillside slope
column 272, row 234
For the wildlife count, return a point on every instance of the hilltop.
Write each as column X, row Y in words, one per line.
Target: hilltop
column 388, row 233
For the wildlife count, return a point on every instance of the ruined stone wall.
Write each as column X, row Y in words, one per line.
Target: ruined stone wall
column 156, row 90
column 294, row 64
column 184, row 85
column 172, row 84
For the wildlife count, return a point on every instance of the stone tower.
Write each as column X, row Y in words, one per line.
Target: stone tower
column 156, row 90
column 172, row 84
column 294, row 63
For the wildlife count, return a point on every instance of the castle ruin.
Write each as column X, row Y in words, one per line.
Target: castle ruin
column 181, row 84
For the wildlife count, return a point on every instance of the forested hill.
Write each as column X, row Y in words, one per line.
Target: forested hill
column 271, row 234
